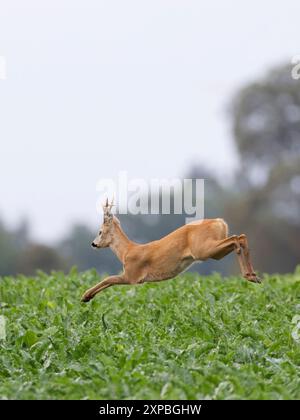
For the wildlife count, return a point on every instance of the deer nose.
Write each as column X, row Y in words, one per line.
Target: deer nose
column 94, row 245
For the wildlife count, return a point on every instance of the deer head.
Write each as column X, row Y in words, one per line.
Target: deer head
column 106, row 233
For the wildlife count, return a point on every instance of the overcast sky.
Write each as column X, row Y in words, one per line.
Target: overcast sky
column 95, row 87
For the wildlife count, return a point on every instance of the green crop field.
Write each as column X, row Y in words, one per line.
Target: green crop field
column 193, row 337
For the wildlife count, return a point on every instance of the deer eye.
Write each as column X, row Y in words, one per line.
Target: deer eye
column 100, row 232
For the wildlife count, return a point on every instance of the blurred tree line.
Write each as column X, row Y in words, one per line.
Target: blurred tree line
column 262, row 200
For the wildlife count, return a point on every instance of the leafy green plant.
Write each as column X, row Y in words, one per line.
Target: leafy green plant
column 192, row 337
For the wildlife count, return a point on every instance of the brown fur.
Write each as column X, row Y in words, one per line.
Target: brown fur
column 167, row 257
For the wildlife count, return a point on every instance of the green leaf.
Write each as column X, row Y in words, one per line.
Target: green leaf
column 29, row 338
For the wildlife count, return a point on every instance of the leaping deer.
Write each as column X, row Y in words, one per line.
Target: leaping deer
column 167, row 257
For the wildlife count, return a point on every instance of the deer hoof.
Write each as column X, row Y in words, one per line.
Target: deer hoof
column 86, row 298
column 252, row 277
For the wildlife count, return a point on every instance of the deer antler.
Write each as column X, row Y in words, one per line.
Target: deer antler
column 107, row 209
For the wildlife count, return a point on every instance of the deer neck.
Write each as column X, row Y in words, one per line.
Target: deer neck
column 120, row 243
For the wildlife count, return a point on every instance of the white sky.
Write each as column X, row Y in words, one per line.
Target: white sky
column 95, row 87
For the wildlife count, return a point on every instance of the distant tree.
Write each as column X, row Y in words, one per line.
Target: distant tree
column 266, row 123
column 8, row 251
column 266, row 200
column 12, row 243
column 39, row 257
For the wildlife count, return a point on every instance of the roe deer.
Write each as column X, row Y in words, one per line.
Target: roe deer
column 167, row 257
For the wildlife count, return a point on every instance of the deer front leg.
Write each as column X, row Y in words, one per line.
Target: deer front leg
column 109, row 281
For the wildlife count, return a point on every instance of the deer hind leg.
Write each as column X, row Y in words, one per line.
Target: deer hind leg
column 108, row 282
column 224, row 247
column 251, row 275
